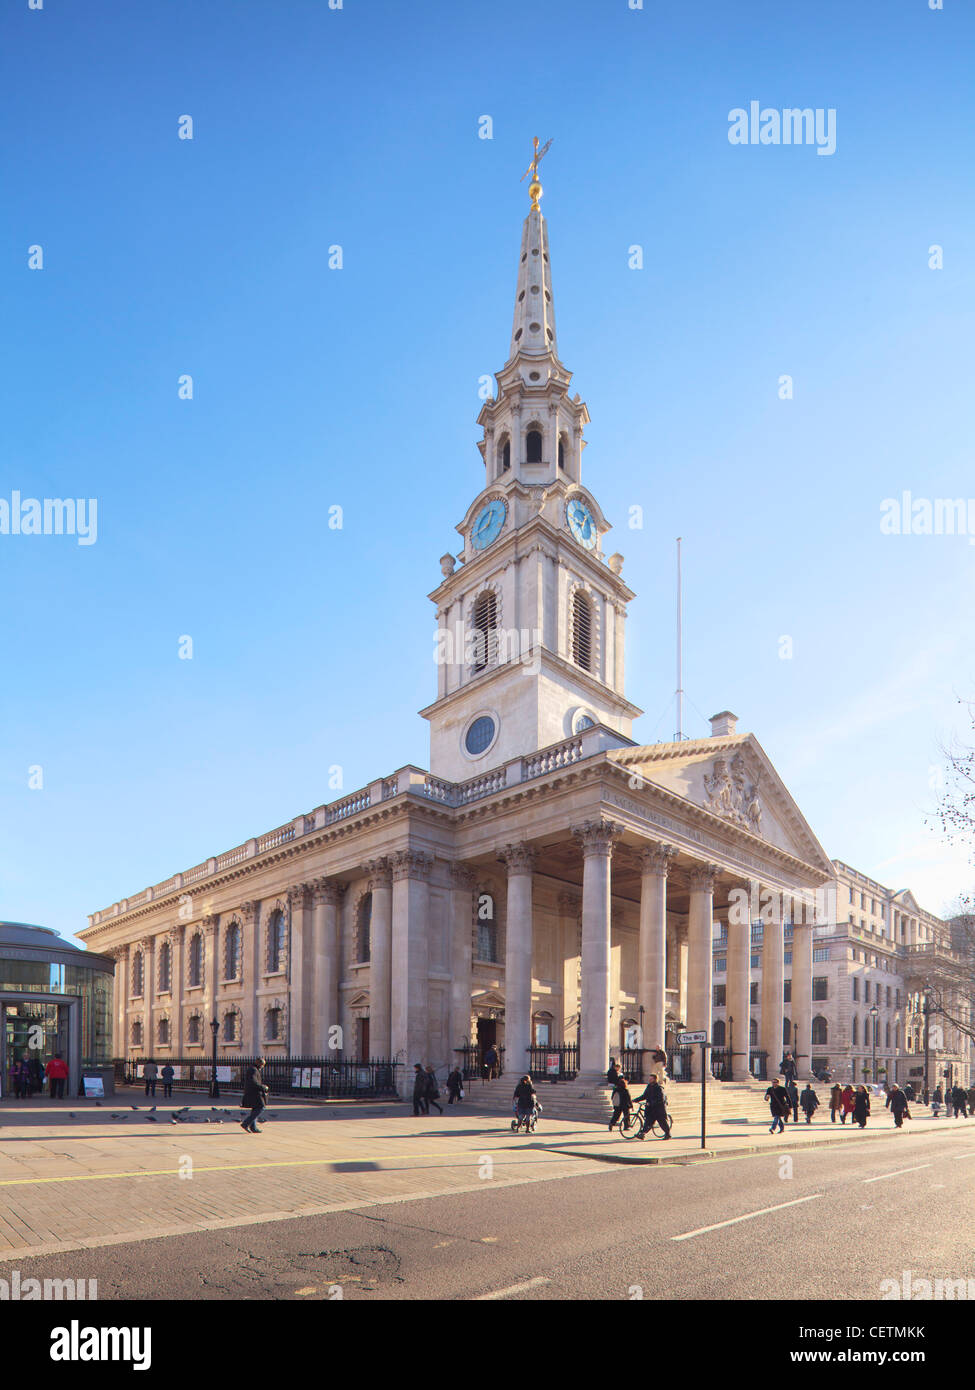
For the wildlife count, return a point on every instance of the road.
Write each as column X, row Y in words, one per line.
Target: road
column 830, row 1223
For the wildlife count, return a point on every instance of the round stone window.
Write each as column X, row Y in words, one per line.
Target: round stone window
column 480, row 735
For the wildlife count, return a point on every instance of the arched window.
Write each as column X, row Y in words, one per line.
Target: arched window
column 231, row 957
column 162, row 1032
column 887, row 1043
column 196, row 960
column 136, row 1034
column 855, row 1033
column 230, row 1027
column 272, row 1025
column 753, row 1032
column 581, row 631
column 165, row 968
column 533, row 446
column 484, row 629
column 504, row 455
column 193, row 1029
column 137, row 969
column 561, row 450
column 486, row 945
column 717, row 1032
column 897, row 1037
column 275, row 942
column 363, row 925
column 820, row 1031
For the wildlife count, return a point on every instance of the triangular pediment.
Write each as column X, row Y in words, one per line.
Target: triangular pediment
column 905, row 898
column 731, row 778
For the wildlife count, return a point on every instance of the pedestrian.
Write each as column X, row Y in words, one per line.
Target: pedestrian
column 937, row 1100
column 897, row 1104
column 779, row 1105
column 613, row 1075
column 847, row 1103
column 949, row 1101
column 168, row 1073
column 433, row 1091
column 455, row 1086
column 655, row 1101
column 23, row 1078
column 622, row 1103
column 789, row 1068
column 658, row 1058
column 792, row 1090
column 835, row 1101
column 971, row 1101
column 254, row 1096
column 420, row 1106
column 491, row 1062
column 809, row 1102
column 909, row 1092
column 150, row 1071
column 35, row 1073
column 861, row 1106
column 960, row 1098
column 525, row 1101
column 57, row 1074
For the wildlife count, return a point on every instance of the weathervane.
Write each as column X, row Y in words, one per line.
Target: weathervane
column 535, row 188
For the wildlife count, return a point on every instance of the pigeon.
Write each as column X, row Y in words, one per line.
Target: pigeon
column 99, row 1104
column 116, row 1117
column 72, row 1115
column 152, row 1119
column 152, row 1109
column 133, row 1107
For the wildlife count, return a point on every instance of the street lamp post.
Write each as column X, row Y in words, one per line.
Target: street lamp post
column 795, row 1045
column 874, row 1015
column 731, row 1047
column 214, row 1088
column 927, row 1042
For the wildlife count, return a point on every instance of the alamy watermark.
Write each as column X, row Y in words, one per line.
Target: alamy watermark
column 908, row 515
column 927, row 1290
column 19, row 1290
column 792, row 125
column 50, row 516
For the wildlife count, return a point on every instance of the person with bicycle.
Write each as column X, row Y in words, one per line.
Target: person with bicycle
column 525, row 1101
column 622, row 1102
column 655, row 1101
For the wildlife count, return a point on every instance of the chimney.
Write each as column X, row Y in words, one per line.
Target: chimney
column 723, row 724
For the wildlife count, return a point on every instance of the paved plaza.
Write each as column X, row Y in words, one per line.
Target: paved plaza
column 74, row 1177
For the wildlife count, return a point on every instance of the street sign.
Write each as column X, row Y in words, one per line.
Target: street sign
column 685, row 1039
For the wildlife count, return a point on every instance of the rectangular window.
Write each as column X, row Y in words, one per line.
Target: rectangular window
column 856, row 989
column 758, row 933
column 753, row 992
column 821, row 953
column 888, row 996
column 866, row 991
column 721, row 962
column 787, row 958
column 719, row 996
column 786, row 991
column 898, row 998
column 756, row 961
column 820, row 989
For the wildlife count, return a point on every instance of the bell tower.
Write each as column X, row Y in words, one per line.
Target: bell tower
column 530, row 627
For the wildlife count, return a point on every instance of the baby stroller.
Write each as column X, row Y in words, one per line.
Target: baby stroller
column 528, row 1118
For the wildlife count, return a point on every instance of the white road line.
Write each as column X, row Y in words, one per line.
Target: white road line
column 900, row 1171
column 515, row 1288
column 955, row 1157
column 747, row 1217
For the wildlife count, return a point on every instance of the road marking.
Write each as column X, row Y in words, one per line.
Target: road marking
column 955, row 1157
column 749, row 1216
column 514, row 1288
column 900, row 1171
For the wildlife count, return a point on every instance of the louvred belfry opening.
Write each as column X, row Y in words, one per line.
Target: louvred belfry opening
column 484, row 628
column 581, row 632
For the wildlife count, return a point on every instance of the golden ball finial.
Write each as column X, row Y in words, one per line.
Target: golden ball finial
column 535, row 192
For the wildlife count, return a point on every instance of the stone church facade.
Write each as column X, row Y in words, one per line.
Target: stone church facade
column 548, row 880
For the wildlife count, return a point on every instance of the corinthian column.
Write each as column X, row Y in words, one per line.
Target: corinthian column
column 655, row 861
column 773, row 976
column 802, row 971
column 461, row 953
column 520, row 862
column 299, row 901
column 700, row 960
column 380, row 956
column 597, row 839
column 327, row 896
column 409, row 961
column 739, row 982
column 209, row 970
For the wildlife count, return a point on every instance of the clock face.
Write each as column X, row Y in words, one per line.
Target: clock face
column 581, row 524
column 488, row 523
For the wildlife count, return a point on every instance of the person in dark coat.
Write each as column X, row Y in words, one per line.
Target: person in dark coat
column 659, row 1059
column 420, row 1084
column 897, row 1105
column 455, row 1086
column 613, row 1075
column 909, row 1092
column 835, row 1102
column 779, row 1105
column 622, row 1103
column 168, row 1073
column 491, row 1066
column 433, row 1091
column 971, row 1101
column 656, row 1107
column 861, row 1107
column 789, row 1068
column 809, row 1102
column 254, row 1095
column 792, row 1091
column 23, row 1079
column 960, row 1097
column 525, row 1100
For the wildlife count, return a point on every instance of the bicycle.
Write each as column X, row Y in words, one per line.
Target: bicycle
column 634, row 1129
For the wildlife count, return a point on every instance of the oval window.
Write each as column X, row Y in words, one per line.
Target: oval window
column 479, row 735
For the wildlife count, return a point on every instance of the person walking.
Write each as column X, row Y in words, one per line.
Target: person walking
column 960, row 1097
column 524, row 1099
column 835, row 1101
column 846, row 1103
column 254, row 1096
column 658, row 1058
column 861, row 1107
column 949, row 1101
column 789, row 1068
column 455, row 1086
column 655, row 1101
column 420, row 1106
column 622, row 1102
column 150, row 1071
column 971, row 1101
column 168, row 1074
column 491, row 1069
column 433, row 1091
column 937, row 1100
column 792, row 1090
column 57, row 1076
column 896, row 1103
column 779, row 1105
column 613, row 1075
column 809, row 1102
column 23, row 1079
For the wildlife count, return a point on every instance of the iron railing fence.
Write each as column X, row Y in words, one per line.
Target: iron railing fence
column 318, row 1077
column 555, row 1061
column 471, row 1061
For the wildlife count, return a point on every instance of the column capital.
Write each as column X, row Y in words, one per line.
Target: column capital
column 249, row 911
column 597, row 836
column 145, row 945
column 329, row 891
column 379, row 873
column 299, row 894
column 411, row 863
column 518, row 858
column 463, row 877
column 657, row 858
column 209, row 923
column 703, row 875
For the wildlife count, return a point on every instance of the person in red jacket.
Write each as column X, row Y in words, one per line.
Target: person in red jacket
column 846, row 1101
column 57, row 1074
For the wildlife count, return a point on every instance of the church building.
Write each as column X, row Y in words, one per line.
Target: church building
column 547, row 880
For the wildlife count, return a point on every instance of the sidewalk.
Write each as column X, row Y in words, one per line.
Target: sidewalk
column 97, row 1180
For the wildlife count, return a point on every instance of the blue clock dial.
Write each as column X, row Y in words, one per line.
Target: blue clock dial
column 488, row 523
column 581, row 523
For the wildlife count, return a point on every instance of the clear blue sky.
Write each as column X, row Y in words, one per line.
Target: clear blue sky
column 358, row 388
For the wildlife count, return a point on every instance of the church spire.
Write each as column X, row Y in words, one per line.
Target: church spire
column 533, row 330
